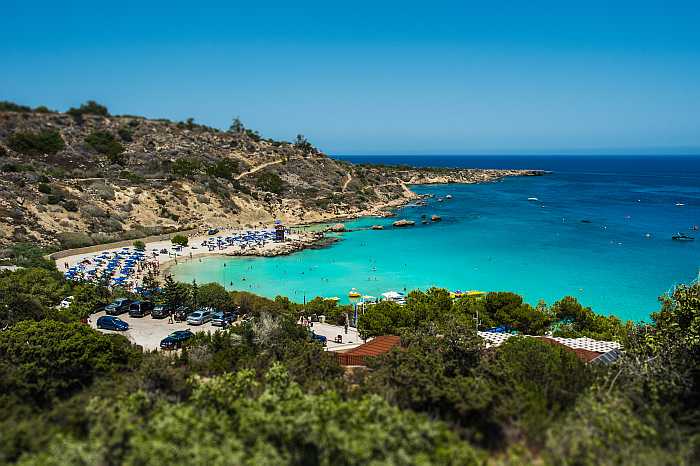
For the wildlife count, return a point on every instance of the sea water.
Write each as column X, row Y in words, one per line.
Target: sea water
column 600, row 230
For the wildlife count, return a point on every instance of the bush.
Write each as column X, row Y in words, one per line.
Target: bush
column 44, row 142
column 126, row 134
column 88, row 108
column 179, row 239
column 140, row 245
column 75, row 239
column 70, row 206
column 186, row 167
column 6, row 106
column 270, row 182
column 46, row 360
column 44, row 188
column 54, row 199
column 104, row 143
column 225, row 168
column 14, row 167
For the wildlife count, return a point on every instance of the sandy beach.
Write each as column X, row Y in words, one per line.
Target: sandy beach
column 163, row 254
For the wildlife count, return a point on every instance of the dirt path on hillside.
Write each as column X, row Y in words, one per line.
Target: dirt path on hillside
column 258, row 168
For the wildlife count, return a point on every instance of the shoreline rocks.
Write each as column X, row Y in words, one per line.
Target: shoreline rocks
column 404, row 223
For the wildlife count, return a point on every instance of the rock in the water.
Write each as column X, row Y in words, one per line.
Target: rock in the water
column 337, row 228
column 404, row 223
column 377, row 227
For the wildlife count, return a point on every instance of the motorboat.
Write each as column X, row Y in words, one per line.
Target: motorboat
column 679, row 204
column 354, row 293
column 532, row 199
column 682, row 237
column 449, row 196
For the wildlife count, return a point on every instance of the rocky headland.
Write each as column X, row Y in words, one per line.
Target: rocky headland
column 86, row 177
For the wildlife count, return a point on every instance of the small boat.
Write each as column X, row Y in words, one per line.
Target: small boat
column 435, row 218
column 449, row 196
column 424, row 222
column 354, row 293
column 532, row 199
column 682, row 237
column 679, row 204
column 440, row 200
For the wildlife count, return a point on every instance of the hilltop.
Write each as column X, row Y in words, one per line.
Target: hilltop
column 85, row 177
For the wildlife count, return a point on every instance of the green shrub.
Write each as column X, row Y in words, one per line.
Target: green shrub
column 43, row 109
column 70, row 206
column 75, row 239
column 11, row 167
column 44, row 188
column 140, row 245
column 186, row 167
column 88, row 108
column 104, row 143
column 180, row 240
column 270, row 182
column 126, row 134
column 133, row 177
column 54, row 199
column 6, row 106
column 44, row 142
column 225, row 168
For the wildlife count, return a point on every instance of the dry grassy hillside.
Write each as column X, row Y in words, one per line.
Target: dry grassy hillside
column 86, row 177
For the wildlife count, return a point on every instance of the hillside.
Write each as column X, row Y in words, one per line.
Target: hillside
column 86, row 177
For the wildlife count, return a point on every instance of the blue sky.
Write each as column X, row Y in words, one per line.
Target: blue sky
column 377, row 77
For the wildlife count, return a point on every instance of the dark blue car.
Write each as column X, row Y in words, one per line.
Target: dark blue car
column 176, row 339
column 112, row 323
column 319, row 338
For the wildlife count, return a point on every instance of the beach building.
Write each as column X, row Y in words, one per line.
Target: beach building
column 587, row 349
column 279, row 231
column 375, row 347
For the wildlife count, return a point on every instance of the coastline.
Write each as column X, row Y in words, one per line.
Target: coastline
column 297, row 240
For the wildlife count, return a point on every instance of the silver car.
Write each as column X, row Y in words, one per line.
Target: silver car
column 200, row 317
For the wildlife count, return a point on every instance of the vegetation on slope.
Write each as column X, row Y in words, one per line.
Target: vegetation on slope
column 266, row 393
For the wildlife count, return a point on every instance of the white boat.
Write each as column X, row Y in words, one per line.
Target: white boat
column 449, row 196
column 534, row 199
column 679, row 204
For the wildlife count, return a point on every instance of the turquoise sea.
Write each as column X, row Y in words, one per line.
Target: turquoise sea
column 601, row 231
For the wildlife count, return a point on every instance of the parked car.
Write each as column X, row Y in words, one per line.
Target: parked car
column 319, row 338
column 180, row 314
column 112, row 323
column 118, row 306
column 200, row 317
column 223, row 319
column 160, row 311
column 65, row 304
column 176, row 339
column 140, row 308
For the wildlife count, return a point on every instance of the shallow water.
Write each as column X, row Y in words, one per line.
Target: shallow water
column 492, row 238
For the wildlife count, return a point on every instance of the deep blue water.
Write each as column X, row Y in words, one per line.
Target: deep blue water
column 493, row 238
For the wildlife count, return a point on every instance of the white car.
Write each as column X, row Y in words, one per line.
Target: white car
column 65, row 304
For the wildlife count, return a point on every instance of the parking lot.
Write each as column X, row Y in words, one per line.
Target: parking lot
column 147, row 331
